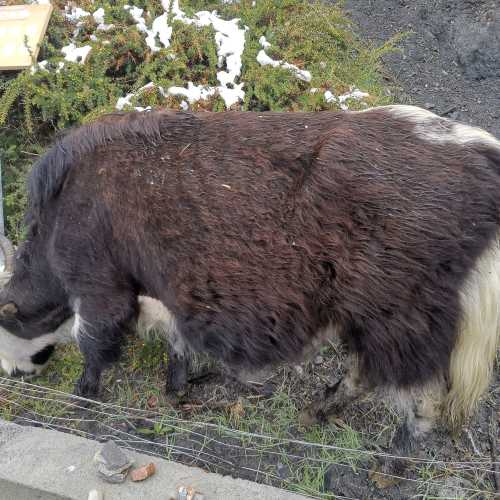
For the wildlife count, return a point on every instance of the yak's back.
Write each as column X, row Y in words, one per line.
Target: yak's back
column 283, row 134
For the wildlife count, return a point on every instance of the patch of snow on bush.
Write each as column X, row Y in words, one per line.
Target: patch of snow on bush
column 75, row 13
column 264, row 60
column 193, row 92
column 125, row 101
column 159, row 28
column 354, row 93
column 72, row 53
column 98, row 16
column 263, row 42
column 229, row 38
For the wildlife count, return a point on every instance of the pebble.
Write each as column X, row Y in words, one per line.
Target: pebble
column 112, row 456
column 142, row 473
column 95, row 495
column 188, row 493
column 111, row 476
column 113, row 463
column 319, row 360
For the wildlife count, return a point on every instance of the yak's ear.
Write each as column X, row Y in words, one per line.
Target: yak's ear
column 8, row 311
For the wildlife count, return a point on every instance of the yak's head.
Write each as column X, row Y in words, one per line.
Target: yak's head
column 32, row 319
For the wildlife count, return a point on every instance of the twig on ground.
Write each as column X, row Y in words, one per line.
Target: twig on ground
column 474, row 447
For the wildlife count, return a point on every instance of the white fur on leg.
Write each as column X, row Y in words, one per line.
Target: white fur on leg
column 155, row 318
column 421, row 406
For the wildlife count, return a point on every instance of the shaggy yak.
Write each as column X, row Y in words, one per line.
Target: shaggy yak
column 253, row 238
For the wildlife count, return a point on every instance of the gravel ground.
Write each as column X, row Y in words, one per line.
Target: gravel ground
column 449, row 62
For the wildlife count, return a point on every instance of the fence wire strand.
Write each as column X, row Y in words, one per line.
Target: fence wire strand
column 199, row 437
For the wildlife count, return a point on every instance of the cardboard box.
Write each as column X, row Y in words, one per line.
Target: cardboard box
column 22, row 26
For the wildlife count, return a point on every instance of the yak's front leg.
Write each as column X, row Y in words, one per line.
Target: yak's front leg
column 178, row 365
column 177, row 373
column 99, row 328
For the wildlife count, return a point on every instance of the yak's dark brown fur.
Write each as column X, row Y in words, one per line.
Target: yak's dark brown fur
column 259, row 230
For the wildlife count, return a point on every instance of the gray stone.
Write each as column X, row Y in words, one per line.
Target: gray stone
column 113, row 458
column 111, row 476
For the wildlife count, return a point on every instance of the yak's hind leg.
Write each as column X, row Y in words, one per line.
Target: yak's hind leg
column 334, row 400
column 100, row 326
column 420, row 408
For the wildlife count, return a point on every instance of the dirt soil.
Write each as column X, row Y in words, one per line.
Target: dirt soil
column 450, row 61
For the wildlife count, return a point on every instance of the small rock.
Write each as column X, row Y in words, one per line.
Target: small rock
column 299, row 370
column 387, row 474
column 319, row 360
column 268, row 389
column 152, row 402
column 113, row 464
column 282, row 470
column 95, row 495
column 142, row 473
column 111, row 476
column 113, row 458
column 188, row 493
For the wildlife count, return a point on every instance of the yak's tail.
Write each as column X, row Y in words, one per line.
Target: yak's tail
column 473, row 358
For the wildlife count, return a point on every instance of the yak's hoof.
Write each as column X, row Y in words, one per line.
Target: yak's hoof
column 392, row 469
column 176, row 383
column 86, row 388
column 310, row 416
column 175, row 393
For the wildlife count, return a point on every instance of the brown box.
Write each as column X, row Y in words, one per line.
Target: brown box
column 18, row 22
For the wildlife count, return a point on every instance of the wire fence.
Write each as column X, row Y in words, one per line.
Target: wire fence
column 251, row 455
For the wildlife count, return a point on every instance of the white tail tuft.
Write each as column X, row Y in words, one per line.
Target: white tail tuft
column 473, row 358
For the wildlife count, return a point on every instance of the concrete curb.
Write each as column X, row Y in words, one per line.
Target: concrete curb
column 41, row 464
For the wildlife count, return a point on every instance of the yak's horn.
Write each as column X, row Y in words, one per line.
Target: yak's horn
column 7, row 248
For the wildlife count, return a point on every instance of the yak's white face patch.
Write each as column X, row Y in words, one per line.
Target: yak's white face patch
column 16, row 352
